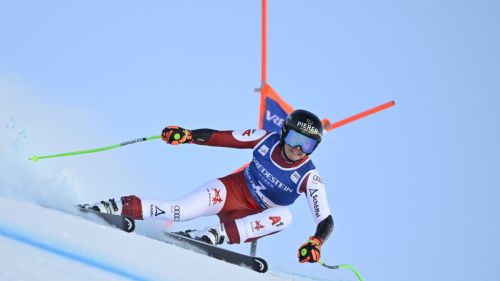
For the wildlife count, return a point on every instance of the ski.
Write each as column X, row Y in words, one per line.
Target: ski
column 124, row 223
column 254, row 263
column 128, row 224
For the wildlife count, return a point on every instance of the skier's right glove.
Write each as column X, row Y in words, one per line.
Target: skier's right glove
column 176, row 135
column 310, row 251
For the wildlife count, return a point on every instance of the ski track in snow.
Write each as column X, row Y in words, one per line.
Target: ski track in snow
column 46, row 244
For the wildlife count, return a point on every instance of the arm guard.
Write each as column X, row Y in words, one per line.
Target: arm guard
column 202, row 135
column 324, row 228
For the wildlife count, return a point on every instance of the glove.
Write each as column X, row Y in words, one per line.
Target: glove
column 310, row 251
column 176, row 135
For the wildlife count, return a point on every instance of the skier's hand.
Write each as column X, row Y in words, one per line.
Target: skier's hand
column 176, row 135
column 310, row 251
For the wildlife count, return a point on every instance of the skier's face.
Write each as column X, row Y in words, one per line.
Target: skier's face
column 294, row 153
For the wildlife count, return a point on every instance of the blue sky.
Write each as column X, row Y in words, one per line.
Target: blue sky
column 413, row 189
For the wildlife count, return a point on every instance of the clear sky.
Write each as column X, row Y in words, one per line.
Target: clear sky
column 413, row 189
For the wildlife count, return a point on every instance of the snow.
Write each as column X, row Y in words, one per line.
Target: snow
column 43, row 238
column 46, row 244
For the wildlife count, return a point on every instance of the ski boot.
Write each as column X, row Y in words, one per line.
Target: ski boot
column 127, row 206
column 107, row 207
column 214, row 235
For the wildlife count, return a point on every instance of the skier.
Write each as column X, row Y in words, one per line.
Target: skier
column 250, row 203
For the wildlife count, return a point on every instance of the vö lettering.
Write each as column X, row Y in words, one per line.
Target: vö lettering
column 276, row 119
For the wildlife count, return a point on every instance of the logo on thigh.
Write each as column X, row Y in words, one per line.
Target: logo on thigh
column 276, row 221
column 257, row 226
column 217, row 198
column 214, row 197
column 177, row 212
column 155, row 211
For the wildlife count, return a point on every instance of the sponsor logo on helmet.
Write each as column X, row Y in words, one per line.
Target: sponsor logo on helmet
column 308, row 127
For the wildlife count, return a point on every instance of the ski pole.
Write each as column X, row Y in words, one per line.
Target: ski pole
column 99, row 149
column 342, row 266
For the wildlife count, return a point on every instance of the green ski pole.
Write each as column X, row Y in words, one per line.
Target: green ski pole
column 347, row 266
column 36, row 158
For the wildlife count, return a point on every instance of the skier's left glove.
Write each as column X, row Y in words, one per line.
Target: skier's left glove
column 176, row 135
column 310, row 251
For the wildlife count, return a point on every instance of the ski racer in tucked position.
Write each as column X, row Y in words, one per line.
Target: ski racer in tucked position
column 250, row 203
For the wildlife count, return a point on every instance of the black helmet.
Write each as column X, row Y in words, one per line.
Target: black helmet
column 303, row 122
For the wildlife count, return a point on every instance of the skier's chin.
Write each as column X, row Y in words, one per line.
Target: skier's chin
column 293, row 154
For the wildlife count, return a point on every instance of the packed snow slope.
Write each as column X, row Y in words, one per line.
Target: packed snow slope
column 42, row 235
column 39, row 243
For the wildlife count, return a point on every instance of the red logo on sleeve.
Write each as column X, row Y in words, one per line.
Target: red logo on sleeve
column 248, row 133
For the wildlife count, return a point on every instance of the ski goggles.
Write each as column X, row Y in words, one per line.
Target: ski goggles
column 307, row 144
